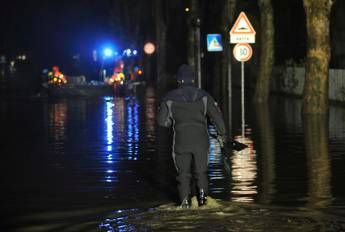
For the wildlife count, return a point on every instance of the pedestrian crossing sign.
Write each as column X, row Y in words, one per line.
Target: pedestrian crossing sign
column 214, row 43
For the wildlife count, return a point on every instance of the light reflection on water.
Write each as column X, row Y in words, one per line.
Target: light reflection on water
column 121, row 131
column 244, row 172
column 236, row 177
column 109, row 121
column 107, row 149
column 150, row 122
column 216, row 172
column 58, row 126
column 132, row 128
column 233, row 176
column 117, row 221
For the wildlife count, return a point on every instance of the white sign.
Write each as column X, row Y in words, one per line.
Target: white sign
column 243, row 52
column 242, row 31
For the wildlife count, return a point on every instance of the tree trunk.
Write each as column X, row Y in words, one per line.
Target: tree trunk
column 315, row 96
column 161, row 30
column 266, row 52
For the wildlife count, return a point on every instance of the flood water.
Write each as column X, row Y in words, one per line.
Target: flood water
column 67, row 164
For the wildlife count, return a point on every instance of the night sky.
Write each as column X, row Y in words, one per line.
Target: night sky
column 66, row 27
column 62, row 28
column 51, row 31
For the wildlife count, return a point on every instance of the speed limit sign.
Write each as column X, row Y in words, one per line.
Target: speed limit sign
column 243, row 52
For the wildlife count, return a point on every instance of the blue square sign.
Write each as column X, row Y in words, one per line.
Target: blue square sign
column 214, row 43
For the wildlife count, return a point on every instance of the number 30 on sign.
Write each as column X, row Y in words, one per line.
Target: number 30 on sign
column 243, row 52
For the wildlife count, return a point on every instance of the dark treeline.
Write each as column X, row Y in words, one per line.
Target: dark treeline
column 53, row 31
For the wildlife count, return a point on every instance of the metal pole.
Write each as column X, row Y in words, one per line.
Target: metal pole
column 229, row 91
column 242, row 97
column 198, row 51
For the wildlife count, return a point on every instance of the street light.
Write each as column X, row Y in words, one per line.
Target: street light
column 149, row 48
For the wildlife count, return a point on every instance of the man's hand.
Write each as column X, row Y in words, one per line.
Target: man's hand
column 228, row 144
column 237, row 146
column 224, row 144
column 222, row 140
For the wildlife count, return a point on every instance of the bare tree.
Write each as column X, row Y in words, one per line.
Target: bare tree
column 315, row 95
column 262, row 89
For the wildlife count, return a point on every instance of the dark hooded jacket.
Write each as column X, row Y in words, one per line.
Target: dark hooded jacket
column 186, row 109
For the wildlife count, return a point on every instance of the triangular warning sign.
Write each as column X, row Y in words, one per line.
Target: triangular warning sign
column 242, row 25
column 215, row 43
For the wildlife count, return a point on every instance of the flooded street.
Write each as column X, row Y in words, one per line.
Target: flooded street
column 101, row 164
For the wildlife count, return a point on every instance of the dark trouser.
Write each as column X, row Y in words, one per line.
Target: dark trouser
column 191, row 164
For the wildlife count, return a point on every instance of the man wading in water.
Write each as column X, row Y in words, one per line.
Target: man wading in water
column 186, row 109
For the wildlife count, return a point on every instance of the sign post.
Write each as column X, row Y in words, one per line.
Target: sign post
column 241, row 34
column 198, row 50
column 214, row 44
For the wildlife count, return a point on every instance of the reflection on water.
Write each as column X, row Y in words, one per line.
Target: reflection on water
column 233, row 176
column 132, row 123
column 218, row 175
column 87, row 153
column 318, row 161
column 121, row 133
column 150, row 122
column 118, row 220
column 244, row 171
column 57, row 129
column 267, row 145
column 109, row 122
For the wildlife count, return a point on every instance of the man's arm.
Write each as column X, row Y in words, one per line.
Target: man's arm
column 214, row 113
column 163, row 117
column 227, row 143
